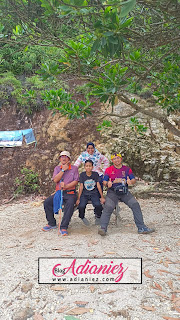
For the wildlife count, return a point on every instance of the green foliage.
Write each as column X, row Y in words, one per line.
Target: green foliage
column 63, row 102
column 137, row 127
column 8, row 79
column 108, row 83
column 115, row 46
column 168, row 91
column 8, row 84
column 18, row 61
column 28, row 182
column 49, row 71
column 104, row 124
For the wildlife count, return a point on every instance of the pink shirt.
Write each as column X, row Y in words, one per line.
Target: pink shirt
column 70, row 175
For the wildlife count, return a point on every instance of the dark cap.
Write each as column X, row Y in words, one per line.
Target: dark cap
column 90, row 144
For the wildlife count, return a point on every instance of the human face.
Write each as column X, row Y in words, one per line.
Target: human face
column 117, row 161
column 64, row 159
column 88, row 167
column 90, row 149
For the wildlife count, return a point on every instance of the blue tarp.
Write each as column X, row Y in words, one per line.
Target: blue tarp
column 15, row 138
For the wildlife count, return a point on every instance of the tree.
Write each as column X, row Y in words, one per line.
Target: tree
column 116, row 47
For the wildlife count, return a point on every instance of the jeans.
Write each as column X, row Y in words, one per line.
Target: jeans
column 94, row 198
column 68, row 202
column 111, row 201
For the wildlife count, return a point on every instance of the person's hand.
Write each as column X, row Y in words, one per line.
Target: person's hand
column 117, row 180
column 102, row 200
column 65, row 166
column 62, row 185
column 129, row 181
column 77, row 202
column 109, row 184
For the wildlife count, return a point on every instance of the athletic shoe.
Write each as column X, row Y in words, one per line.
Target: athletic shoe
column 102, row 232
column 97, row 221
column 86, row 222
column 145, row 230
column 63, row 232
column 48, row 228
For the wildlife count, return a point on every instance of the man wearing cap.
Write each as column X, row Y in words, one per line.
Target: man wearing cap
column 117, row 178
column 66, row 177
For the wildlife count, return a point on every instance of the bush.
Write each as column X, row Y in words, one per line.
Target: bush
column 28, row 182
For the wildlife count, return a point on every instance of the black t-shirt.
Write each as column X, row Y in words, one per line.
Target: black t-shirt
column 89, row 183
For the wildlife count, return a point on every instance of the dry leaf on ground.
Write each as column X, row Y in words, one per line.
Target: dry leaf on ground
column 148, row 308
column 160, row 271
column 107, row 291
column 173, row 297
column 161, row 295
column 146, row 273
column 167, row 249
column 61, row 310
column 170, row 284
column 77, row 311
column 58, row 288
column 92, row 288
column 177, row 309
column 176, row 301
column 158, row 286
column 139, row 249
column 170, row 318
column 112, row 252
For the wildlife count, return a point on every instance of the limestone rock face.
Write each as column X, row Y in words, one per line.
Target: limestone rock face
column 153, row 156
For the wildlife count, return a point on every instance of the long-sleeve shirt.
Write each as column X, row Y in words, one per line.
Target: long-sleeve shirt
column 97, row 159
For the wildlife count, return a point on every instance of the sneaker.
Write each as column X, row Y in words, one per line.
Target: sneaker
column 63, row 232
column 86, row 222
column 145, row 230
column 97, row 221
column 102, row 232
column 48, row 228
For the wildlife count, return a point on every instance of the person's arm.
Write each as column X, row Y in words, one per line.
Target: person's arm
column 79, row 193
column 102, row 199
column 105, row 161
column 78, row 161
column 59, row 176
column 69, row 186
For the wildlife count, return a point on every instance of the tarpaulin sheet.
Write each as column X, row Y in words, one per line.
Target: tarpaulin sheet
column 15, row 138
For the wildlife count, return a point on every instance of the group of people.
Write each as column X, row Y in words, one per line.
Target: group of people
column 116, row 178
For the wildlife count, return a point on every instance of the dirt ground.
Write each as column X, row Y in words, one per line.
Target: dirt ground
column 23, row 242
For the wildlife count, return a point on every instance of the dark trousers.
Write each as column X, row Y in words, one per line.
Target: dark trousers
column 68, row 202
column 111, row 202
column 94, row 198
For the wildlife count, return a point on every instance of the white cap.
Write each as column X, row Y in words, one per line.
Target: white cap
column 65, row 153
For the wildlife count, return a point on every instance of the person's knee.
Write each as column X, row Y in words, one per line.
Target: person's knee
column 132, row 203
column 109, row 204
column 46, row 202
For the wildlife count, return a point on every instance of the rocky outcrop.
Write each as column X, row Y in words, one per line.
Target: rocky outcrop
column 153, row 156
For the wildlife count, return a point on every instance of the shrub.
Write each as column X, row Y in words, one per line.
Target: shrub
column 28, row 182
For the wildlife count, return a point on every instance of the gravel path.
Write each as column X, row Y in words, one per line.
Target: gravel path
column 22, row 242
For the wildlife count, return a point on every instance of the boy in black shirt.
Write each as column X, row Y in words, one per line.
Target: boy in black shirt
column 88, row 190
